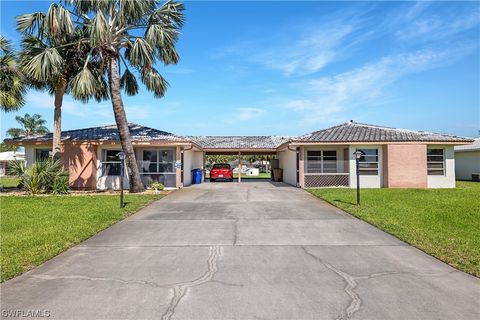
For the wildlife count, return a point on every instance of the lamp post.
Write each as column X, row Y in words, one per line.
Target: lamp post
column 121, row 156
column 358, row 154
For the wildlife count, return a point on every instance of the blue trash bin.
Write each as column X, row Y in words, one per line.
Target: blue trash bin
column 197, row 176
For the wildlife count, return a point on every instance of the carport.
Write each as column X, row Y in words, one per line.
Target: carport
column 239, row 146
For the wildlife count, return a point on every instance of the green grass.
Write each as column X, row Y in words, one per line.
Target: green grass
column 8, row 182
column 262, row 175
column 444, row 223
column 36, row 228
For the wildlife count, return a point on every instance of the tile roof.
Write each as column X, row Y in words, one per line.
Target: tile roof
column 360, row 132
column 346, row 132
column 239, row 142
column 107, row 133
column 475, row 146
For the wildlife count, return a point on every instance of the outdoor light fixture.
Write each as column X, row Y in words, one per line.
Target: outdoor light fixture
column 358, row 154
column 121, row 156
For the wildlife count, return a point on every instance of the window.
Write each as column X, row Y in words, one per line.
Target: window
column 111, row 164
column 42, row 154
column 314, row 161
column 329, row 160
column 368, row 162
column 158, row 161
column 158, row 165
column 221, row 166
column 435, row 162
column 322, row 161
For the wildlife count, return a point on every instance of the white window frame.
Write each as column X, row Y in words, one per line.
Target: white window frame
column 322, row 161
column 104, row 157
column 158, row 162
column 365, row 169
column 443, row 168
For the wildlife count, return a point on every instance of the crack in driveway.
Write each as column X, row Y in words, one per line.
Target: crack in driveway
column 235, row 232
column 355, row 302
column 77, row 277
column 351, row 281
column 180, row 289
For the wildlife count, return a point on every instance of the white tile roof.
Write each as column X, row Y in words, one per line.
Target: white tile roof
column 475, row 146
column 346, row 132
column 360, row 132
column 239, row 142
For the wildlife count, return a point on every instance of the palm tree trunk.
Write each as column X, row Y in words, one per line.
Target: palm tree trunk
column 136, row 184
column 57, row 119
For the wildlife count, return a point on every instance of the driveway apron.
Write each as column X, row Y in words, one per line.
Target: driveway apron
column 254, row 250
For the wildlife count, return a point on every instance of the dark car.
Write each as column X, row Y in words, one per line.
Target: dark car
column 221, row 171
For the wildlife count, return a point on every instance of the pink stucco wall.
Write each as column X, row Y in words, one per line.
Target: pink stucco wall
column 81, row 161
column 405, row 166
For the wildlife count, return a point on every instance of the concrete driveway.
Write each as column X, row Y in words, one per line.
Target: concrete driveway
column 254, row 250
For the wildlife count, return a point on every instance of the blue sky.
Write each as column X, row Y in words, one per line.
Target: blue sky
column 288, row 68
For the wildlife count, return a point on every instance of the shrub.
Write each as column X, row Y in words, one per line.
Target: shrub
column 44, row 176
column 61, row 184
column 157, row 186
column 17, row 168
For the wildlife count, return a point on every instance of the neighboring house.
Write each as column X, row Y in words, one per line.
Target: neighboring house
column 467, row 160
column 393, row 158
column 7, row 156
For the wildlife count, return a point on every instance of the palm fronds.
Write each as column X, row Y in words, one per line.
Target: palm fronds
column 128, row 82
column 12, row 81
column 30, row 125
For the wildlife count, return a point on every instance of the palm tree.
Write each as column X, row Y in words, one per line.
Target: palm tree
column 12, row 85
column 30, row 126
column 135, row 34
column 50, row 62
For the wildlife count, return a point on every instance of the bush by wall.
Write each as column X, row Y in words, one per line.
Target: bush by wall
column 44, row 176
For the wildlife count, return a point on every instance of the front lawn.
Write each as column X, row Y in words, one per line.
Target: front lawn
column 444, row 223
column 8, row 182
column 261, row 175
column 36, row 228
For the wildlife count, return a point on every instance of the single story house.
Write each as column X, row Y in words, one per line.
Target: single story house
column 467, row 160
column 392, row 158
column 7, row 156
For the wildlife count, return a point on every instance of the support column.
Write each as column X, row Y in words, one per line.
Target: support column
column 301, row 167
column 239, row 166
column 178, row 171
column 204, row 168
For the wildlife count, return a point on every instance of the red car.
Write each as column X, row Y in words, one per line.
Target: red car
column 221, row 171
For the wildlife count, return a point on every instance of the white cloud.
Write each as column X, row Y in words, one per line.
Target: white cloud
column 433, row 27
column 93, row 110
column 309, row 54
column 246, row 114
column 328, row 96
column 43, row 100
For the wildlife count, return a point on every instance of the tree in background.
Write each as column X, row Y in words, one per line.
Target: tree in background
column 30, row 126
column 53, row 53
column 12, row 84
column 137, row 35
column 7, row 147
